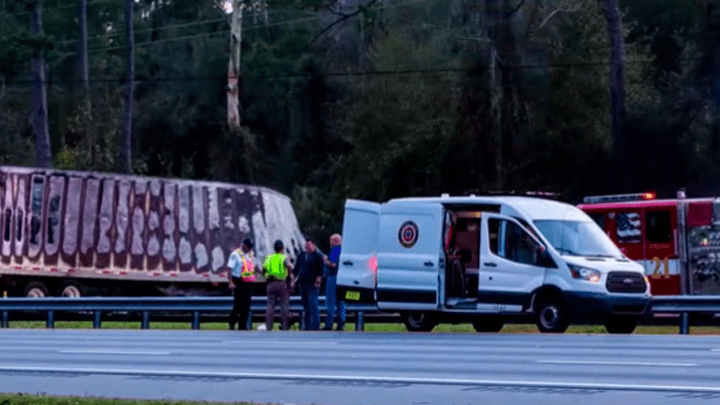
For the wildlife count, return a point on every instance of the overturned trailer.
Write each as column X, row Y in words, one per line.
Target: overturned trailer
column 71, row 233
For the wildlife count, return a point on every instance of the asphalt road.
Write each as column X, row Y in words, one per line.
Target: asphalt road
column 330, row 368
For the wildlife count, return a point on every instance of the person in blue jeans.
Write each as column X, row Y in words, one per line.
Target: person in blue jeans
column 309, row 274
column 331, row 270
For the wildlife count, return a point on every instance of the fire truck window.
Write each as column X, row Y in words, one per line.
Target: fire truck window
column 599, row 219
column 628, row 227
column 658, row 226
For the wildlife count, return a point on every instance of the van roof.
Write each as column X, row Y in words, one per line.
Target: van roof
column 534, row 207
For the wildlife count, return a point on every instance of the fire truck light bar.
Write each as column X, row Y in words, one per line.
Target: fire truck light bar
column 619, row 197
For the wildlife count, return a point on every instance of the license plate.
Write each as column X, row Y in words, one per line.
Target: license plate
column 352, row 295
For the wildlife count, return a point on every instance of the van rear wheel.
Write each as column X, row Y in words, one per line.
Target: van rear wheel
column 552, row 315
column 419, row 321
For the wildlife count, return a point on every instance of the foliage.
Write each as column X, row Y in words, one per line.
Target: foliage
column 402, row 98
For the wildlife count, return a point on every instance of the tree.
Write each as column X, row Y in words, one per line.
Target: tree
column 39, row 117
column 125, row 149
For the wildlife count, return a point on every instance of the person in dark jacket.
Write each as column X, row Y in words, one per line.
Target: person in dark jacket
column 309, row 273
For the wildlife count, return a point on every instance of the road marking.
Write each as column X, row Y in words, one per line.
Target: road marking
column 105, row 351
column 265, row 342
column 368, row 379
column 617, row 363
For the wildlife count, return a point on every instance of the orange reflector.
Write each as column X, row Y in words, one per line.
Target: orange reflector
column 649, row 196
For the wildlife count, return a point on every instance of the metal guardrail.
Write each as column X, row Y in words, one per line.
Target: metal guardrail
column 146, row 305
column 684, row 305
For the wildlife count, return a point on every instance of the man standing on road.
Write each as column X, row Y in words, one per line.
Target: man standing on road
column 309, row 271
column 240, row 280
column 277, row 267
column 331, row 270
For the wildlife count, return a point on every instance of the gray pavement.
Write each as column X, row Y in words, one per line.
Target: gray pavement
column 330, row 368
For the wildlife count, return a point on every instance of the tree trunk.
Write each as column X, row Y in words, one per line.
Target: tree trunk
column 617, row 90
column 234, row 81
column 124, row 158
column 82, row 46
column 39, row 118
column 85, row 76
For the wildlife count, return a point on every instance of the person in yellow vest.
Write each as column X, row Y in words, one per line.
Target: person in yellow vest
column 241, row 278
column 277, row 269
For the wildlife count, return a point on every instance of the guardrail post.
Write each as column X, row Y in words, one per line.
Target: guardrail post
column 684, row 323
column 196, row 320
column 145, row 324
column 5, row 319
column 360, row 321
column 50, row 320
column 97, row 320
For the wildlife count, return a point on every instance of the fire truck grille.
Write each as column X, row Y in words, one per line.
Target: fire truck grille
column 625, row 282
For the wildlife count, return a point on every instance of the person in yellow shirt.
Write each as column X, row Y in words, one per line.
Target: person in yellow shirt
column 278, row 270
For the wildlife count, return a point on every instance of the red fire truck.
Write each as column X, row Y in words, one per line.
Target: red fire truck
column 676, row 240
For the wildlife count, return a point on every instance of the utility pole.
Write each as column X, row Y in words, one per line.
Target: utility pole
column 39, row 117
column 124, row 158
column 617, row 90
column 233, row 86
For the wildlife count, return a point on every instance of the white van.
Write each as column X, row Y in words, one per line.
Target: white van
column 482, row 259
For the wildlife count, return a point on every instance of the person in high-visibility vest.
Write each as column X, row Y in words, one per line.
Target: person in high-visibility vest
column 240, row 280
column 278, row 270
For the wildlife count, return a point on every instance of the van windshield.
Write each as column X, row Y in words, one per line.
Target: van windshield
column 578, row 238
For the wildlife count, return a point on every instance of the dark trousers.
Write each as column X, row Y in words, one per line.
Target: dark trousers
column 240, row 313
column 277, row 292
column 311, row 307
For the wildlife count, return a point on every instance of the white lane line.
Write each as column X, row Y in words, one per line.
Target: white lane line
column 265, row 342
column 400, row 380
column 617, row 363
column 105, row 351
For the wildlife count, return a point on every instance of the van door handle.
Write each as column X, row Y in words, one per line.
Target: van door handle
column 348, row 263
column 490, row 264
column 428, row 263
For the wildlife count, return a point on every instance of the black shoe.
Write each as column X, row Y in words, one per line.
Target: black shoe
column 327, row 328
column 340, row 329
column 232, row 326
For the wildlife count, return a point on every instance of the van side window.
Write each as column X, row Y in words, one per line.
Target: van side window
column 512, row 242
column 658, row 226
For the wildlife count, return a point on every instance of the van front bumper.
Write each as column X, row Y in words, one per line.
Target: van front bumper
column 600, row 305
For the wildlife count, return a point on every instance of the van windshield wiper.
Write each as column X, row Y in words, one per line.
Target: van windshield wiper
column 568, row 251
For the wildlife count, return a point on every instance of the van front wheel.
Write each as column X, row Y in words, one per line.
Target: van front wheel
column 419, row 321
column 552, row 316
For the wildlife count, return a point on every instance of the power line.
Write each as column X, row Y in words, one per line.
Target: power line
column 341, row 74
column 56, row 7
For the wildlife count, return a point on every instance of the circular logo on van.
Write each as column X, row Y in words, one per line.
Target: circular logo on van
column 408, row 234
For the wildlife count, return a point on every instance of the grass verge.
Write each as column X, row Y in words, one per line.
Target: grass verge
column 24, row 399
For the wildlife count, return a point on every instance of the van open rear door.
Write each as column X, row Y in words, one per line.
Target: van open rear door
column 410, row 257
column 356, row 273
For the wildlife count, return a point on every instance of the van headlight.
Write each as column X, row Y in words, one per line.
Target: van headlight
column 584, row 273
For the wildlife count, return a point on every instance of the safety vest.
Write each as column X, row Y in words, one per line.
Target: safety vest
column 275, row 266
column 247, row 273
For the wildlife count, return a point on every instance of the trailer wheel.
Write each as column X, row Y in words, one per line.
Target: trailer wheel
column 552, row 315
column 35, row 289
column 488, row 323
column 621, row 324
column 419, row 321
column 71, row 289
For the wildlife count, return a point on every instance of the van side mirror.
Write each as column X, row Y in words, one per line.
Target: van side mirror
column 544, row 259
